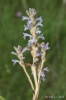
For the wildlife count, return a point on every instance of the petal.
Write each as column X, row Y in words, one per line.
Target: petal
column 26, row 34
column 14, row 53
column 46, row 69
column 38, row 31
column 41, row 36
column 31, row 41
column 38, row 53
column 42, row 76
column 46, row 46
column 25, row 18
column 39, row 18
column 39, row 24
column 26, row 27
column 24, row 49
column 29, row 21
column 14, row 61
column 15, row 48
column 34, row 12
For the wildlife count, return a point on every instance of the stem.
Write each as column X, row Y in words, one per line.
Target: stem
column 36, row 93
column 29, row 79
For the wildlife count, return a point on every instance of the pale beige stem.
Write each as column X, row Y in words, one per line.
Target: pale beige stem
column 29, row 79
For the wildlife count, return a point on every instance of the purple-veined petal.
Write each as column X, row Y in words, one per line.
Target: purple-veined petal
column 15, row 48
column 38, row 31
column 25, row 18
column 15, row 61
column 39, row 24
column 46, row 69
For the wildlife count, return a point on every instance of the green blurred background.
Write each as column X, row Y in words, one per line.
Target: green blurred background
column 13, row 82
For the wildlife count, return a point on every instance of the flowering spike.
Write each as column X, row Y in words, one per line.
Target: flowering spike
column 37, row 51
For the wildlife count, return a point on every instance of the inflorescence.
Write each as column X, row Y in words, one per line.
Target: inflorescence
column 37, row 50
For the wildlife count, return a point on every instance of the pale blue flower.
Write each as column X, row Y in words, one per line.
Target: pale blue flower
column 26, row 34
column 15, row 61
column 38, row 53
column 24, row 49
column 39, row 19
column 34, row 12
column 39, row 24
column 46, row 46
column 46, row 69
column 31, row 41
column 29, row 22
column 41, row 36
column 26, row 27
column 24, row 18
column 38, row 31
column 42, row 76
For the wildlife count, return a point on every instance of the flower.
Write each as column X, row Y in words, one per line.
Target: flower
column 39, row 19
column 46, row 46
column 39, row 24
column 42, row 76
column 46, row 69
column 24, row 18
column 38, row 31
column 31, row 41
column 26, row 34
column 24, row 49
column 38, row 53
column 41, row 36
column 15, row 61
column 26, row 27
